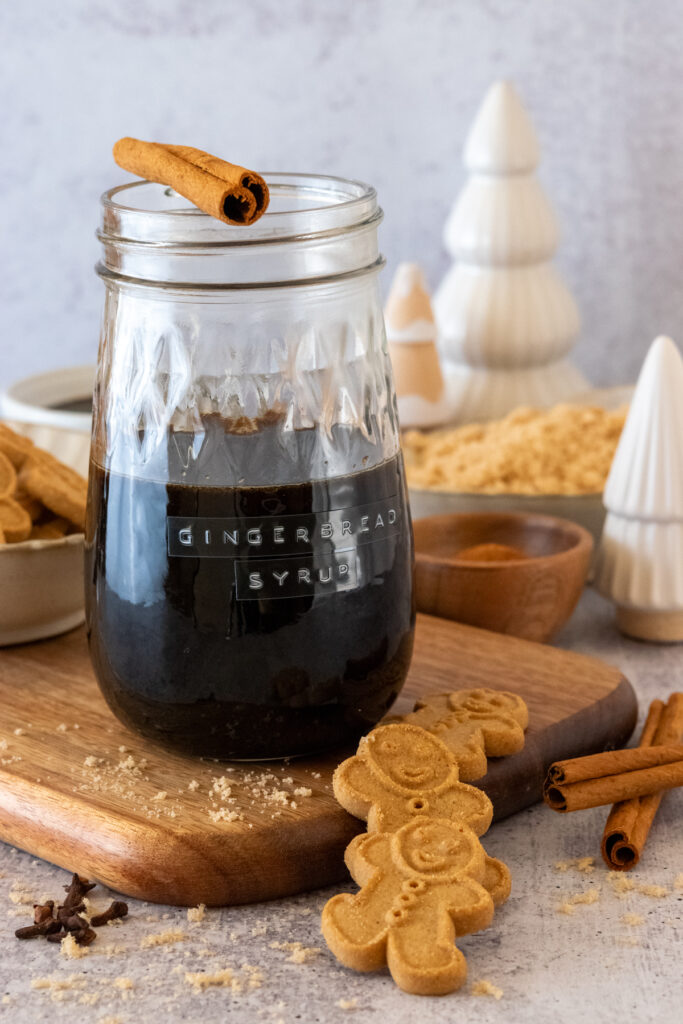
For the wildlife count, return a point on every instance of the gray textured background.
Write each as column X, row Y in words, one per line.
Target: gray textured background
column 381, row 90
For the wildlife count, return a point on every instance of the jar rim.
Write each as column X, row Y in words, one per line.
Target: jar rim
column 302, row 205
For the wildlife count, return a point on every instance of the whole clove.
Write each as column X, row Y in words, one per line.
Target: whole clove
column 117, row 909
column 76, row 889
column 32, row 931
column 82, row 936
column 56, row 923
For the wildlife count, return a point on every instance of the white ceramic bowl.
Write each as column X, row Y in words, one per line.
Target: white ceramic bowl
column 41, row 581
column 37, row 399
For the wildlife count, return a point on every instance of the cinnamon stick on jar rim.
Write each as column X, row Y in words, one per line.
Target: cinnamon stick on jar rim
column 226, row 191
column 629, row 821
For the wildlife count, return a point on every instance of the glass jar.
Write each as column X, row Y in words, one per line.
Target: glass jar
column 248, row 545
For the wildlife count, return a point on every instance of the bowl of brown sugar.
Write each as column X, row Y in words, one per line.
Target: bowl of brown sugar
column 507, row 572
column 553, row 462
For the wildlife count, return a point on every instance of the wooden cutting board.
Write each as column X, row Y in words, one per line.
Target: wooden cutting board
column 79, row 789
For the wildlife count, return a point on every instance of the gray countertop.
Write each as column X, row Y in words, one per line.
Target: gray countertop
column 618, row 956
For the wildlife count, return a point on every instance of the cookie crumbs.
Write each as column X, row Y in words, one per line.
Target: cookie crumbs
column 166, row 938
column 486, row 988
column 592, row 896
column 196, row 914
column 62, row 727
column 299, row 954
column 303, row 791
column 655, row 891
column 70, row 982
column 586, row 865
column 629, row 941
column 347, row 1004
column 219, row 979
column 255, row 976
column 632, row 920
column 3, row 744
column 123, row 984
column 193, row 786
column 569, row 906
column 20, row 894
column 18, row 732
column 678, row 882
column 160, row 795
column 316, row 775
column 123, row 750
column 89, row 998
column 70, row 949
column 6, row 1000
column 621, row 884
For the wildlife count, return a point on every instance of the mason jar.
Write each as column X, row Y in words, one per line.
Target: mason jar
column 248, row 546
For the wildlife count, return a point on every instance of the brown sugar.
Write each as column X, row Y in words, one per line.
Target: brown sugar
column 564, row 450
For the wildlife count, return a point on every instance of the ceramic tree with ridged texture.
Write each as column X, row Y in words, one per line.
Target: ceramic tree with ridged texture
column 506, row 319
column 411, row 337
column 640, row 561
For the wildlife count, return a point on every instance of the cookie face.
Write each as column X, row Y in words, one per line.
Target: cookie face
column 474, row 725
column 401, row 772
column 437, row 849
column 408, row 757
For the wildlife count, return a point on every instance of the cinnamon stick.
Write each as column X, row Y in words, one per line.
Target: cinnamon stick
column 612, row 762
column 226, row 191
column 629, row 821
column 612, row 788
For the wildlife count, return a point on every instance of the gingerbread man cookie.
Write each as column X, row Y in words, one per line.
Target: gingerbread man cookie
column 401, row 772
column 473, row 724
column 421, row 886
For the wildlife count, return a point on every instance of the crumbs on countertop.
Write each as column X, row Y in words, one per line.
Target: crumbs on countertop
column 486, row 988
column 298, row 953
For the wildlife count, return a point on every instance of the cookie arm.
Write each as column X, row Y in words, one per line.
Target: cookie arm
column 354, row 927
column 355, row 788
column 471, row 806
column 497, row 880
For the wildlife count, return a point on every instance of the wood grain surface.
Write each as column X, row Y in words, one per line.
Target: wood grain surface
column 79, row 789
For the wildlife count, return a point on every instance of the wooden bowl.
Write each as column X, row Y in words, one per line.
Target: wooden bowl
column 530, row 597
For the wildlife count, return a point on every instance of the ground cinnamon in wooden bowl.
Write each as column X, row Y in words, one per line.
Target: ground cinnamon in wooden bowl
column 508, row 572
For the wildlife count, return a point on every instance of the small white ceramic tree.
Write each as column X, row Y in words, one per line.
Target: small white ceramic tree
column 411, row 335
column 506, row 320
column 640, row 561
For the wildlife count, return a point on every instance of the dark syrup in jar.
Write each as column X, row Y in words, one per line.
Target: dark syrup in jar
column 250, row 621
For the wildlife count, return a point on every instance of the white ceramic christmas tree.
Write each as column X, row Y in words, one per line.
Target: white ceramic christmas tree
column 411, row 335
column 506, row 320
column 640, row 561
